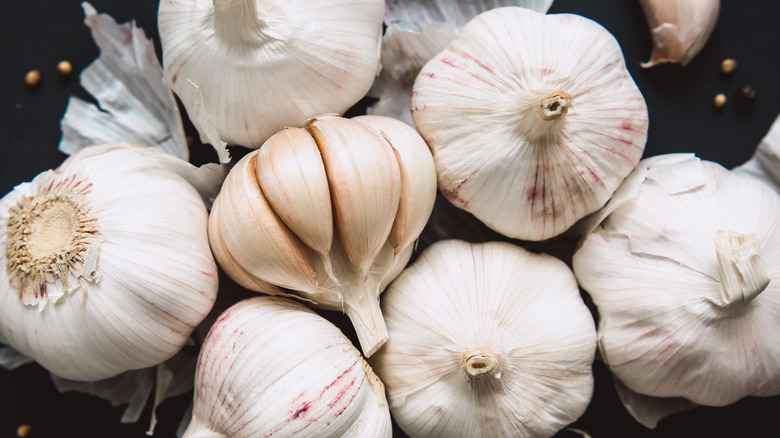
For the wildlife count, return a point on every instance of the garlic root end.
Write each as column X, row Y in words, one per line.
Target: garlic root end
column 743, row 274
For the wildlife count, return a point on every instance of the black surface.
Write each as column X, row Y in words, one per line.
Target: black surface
column 37, row 34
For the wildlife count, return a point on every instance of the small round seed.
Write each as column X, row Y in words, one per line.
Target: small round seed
column 23, row 430
column 746, row 94
column 64, row 68
column 728, row 65
column 32, row 78
column 719, row 101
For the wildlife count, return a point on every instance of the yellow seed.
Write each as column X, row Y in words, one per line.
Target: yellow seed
column 32, row 77
column 719, row 101
column 64, row 68
column 728, row 65
column 23, row 430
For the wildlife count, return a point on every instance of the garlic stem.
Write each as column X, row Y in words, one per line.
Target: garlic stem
column 366, row 316
column 481, row 363
column 553, row 105
column 743, row 274
column 237, row 20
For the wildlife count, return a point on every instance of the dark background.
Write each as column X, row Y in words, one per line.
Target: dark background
column 37, row 34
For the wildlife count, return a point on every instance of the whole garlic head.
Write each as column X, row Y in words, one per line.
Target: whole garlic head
column 486, row 340
column 533, row 119
column 329, row 212
column 247, row 68
column 270, row 366
column 684, row 274
column 106, row 263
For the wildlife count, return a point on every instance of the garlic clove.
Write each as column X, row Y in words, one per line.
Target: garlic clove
column 292, row 177
column 679, row 29
column 365, row 185
column 532, row 125
column 279, row 257
column 418, row 178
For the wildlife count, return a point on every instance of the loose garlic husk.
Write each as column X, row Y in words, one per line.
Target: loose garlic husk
column 533, row 120
column 106, row 263
column 329, row 212
column 683, row 273
column 486, row 340
column 679, row 29
column 244, row 69
column 270, row 366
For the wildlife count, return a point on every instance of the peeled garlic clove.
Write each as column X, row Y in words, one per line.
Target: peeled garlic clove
column 366, row 207
column 533, row 120
column 290, row 172
column 681, row 273
column 679, row 29
column 106, row 263
column 486, row 340
column 418, row 178
column 279, row 256
column 258, row 66
column 250, row 383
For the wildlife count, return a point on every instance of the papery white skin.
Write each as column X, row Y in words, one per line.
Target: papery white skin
column 765, row 162
column 652, row 269
column 149, row 279
column 522, row 307
column 416, row 32
column 679, row 29
column 648, row 410
column 273, row 226
column 479, row 105
column 135, row 106
column 272, row 367
column 247, row 68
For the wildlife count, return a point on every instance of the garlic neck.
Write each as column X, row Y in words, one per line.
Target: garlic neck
column 553, row 106
column 237, row 20
column 481, row 363
column 743, row 274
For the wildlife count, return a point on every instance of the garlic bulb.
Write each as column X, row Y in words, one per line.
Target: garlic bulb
column 270, row 366
column 683, row 272
column 486, row 340
column 106, row 262
column 679, row 29
column 329, row 212
column 765, row 161
column 533, row 120
column 248, row 68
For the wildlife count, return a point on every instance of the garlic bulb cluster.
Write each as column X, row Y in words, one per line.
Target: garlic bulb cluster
column 679, row 29
column 533, row 120
column 244, row 69
column 329, row 212
column 684, row 274
column 272, row 367
column 106, row 263
column 486, row 340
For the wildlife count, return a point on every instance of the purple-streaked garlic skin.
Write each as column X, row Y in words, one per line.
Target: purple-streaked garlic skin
column 272, row 367
column 533, row 120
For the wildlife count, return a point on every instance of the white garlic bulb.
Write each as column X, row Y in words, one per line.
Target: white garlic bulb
column 329, row 212
column 679, row 29
column 533, row 119
column 684, row 274
column 270, row 366
column 486, row 340
column 106, row 263
column 248, row 68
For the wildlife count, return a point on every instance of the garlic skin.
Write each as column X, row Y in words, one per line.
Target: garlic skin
column 329, row 212
column 486, row 340
column 106, row 263
column 249, row 381
column 533, row 120
column 683, row 272
column 679, row 29
column 244, row 69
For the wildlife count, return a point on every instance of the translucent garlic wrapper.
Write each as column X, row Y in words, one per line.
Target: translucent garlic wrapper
column 244, row 69
column 106, row 263
column 533, row 120
column 329, row 212
column 684, row 272
column 272, row 367
column 486, row 340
